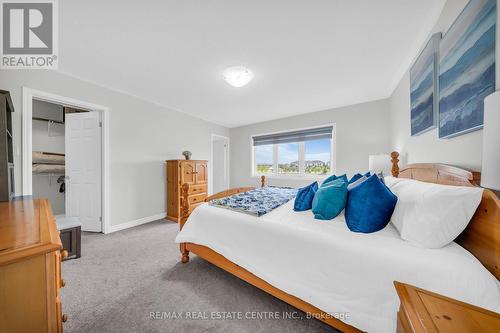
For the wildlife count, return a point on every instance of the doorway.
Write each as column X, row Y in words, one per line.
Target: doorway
column 65, row 149
column 66, row 162
column 219, row 164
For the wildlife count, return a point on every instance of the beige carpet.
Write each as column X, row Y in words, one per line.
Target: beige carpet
column 124, row 276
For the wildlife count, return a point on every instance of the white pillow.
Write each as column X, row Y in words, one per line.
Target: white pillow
column 432, row 215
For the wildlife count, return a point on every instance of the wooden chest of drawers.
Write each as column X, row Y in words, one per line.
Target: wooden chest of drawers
column 30, row 268
column 425, row 311
column 193, row 172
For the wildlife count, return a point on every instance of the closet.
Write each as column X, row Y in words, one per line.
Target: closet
column 48, row 156
column 66, row 163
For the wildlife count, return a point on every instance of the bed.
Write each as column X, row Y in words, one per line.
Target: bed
column 346, row 279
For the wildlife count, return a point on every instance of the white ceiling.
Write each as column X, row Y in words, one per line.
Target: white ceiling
column 306, row 55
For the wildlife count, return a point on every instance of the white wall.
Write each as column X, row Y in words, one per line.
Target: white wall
column 464, row 150
column 361, row 130
column 142, row 136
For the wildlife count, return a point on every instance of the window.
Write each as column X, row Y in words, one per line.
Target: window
column 296, row 153
column 288, row 158
column 264, row 159
column 318, row 157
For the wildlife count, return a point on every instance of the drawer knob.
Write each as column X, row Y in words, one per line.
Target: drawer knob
column 64, row 318
column 63, row 283
column 64, row 254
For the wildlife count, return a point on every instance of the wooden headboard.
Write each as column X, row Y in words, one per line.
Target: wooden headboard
column 482, row 235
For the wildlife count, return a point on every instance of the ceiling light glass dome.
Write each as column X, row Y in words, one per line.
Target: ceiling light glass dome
column 238, row 76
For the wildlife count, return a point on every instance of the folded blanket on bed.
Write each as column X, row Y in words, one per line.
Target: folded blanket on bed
column 257, row 202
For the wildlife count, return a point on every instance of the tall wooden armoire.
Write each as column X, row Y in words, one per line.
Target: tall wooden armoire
column 193, row 172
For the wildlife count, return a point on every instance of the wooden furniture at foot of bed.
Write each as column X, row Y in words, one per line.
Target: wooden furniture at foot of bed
column 30, row 268
column 425, row 311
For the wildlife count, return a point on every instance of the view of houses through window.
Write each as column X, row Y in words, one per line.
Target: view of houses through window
column 308, row 157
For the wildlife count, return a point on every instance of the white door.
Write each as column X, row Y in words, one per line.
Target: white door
column 83, row 168
column 220, row 164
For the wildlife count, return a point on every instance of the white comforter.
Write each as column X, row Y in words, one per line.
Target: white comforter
column 336, row 270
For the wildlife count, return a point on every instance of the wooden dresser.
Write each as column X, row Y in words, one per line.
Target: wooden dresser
column 30, row 268
column 193, row 172
column 425, row 311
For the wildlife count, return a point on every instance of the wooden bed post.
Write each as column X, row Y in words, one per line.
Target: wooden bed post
column 394, row 161
column 263, row 181
column 184, row 216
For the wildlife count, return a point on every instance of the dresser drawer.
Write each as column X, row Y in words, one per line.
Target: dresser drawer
column 196, row 189
column 197, row 198
column 425, row 311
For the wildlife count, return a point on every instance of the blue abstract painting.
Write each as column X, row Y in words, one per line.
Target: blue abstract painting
column 423, row 88
column 467, row 69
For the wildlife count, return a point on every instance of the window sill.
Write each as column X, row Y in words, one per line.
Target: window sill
column 291, row 177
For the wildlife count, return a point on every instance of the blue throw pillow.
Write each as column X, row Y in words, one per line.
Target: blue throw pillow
column 330, row 199
column 369, row 206
column 358, row 176
column 305, row 196
column 332, row 178
column 355, row 177
column 357, row 182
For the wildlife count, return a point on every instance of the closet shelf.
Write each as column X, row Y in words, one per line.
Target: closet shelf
column 49, row 173
column 56, row 169
column 48, row 120
column 40, row 157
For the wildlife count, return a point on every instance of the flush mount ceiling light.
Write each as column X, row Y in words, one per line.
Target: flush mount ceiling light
column 237, row 76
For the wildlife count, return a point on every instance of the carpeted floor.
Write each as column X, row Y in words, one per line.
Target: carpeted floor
column 123, row 276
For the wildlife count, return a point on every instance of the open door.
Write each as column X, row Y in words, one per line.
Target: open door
column 83, row 169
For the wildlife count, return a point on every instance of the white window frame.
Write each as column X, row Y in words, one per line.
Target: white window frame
column 301, row 174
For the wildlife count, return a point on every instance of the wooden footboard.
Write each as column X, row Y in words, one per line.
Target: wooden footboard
column 185, row 207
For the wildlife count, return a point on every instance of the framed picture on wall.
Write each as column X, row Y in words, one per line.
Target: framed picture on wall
column 424, row 89
column 467, row 69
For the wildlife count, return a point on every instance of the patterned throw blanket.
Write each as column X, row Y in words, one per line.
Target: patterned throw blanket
column 257, row 202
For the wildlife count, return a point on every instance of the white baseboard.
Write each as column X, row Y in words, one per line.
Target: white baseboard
column 134, row 223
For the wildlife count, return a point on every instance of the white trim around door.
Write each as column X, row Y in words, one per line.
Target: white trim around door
column 211, row 178
column 27, row 112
